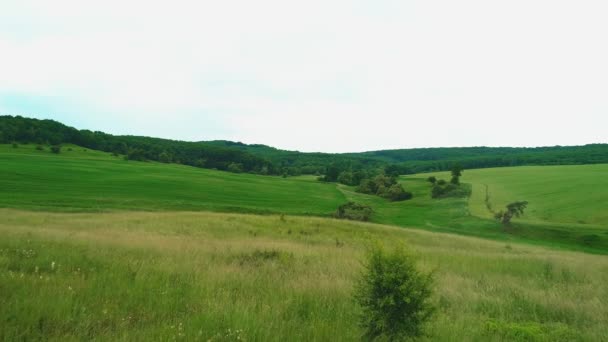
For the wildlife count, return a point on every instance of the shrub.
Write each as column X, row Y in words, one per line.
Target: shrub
column 15, row 145
column 441, row 182
column 56, row 149
column 367, row 186
column 40, row 147
column 354, row 211
column 450, row 190
column 238, row 168
column 397, row 193
column 394, row 296
column 432, row 179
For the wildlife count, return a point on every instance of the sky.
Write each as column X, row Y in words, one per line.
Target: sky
column 315, row 75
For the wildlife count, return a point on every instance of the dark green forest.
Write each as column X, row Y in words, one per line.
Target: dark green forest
column 262, row 159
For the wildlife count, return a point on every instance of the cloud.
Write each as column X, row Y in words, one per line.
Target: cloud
column 314, row 75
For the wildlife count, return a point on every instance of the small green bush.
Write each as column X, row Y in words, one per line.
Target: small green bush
column 15, row 145
column 397, row 193
column 56, row 149
column 394, row 296
column 354, row 211
column 450, row 190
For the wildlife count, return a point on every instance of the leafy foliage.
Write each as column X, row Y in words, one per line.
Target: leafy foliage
column 443, row 189
column 456, row 173
column 354, row 211
column 384, row 186
column 394, row 296
column 515, row 209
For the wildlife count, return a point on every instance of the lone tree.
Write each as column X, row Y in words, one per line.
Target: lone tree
column 513, row 209
column 432, row 179
column 394, row 296
column 456, row 173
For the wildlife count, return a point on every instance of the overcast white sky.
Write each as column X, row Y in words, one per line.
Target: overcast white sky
column 314, row 75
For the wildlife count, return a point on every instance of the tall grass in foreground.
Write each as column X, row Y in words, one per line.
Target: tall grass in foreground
column 221, row 277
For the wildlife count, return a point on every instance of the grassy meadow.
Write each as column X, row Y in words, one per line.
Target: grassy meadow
column 127, row 276
column 85, row 180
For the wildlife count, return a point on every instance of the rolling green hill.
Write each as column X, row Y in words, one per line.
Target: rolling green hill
column 92, row 180
column 76, row 180
column 557, row 194
column 129, row 276
column 262, row 159
column 81, row 259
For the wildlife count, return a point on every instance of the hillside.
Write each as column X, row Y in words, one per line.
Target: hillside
column 79, row 180
column 208, row 276
column 557, row 194
column 82, row 179
column 262, row 159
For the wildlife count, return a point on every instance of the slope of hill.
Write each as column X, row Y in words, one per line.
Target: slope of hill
column 261, row 159
column 557, row 194
column 93, row 180
column 226, row 277
column 96, row 181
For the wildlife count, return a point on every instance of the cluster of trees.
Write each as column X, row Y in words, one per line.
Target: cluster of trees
column 441, row 188
column 384, row 186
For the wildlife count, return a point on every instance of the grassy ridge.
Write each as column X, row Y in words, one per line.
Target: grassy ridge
column 92, row 180
column 201, row 276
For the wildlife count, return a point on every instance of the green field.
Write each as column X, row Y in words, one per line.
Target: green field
column 96, row 247
column 86, row 180
column 80, row 180
column 558, row 194
column 128, row 276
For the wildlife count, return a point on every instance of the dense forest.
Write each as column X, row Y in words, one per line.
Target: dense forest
column 262, row 159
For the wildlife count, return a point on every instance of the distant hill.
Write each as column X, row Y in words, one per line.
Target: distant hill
column 439, row 159
column 262, row 159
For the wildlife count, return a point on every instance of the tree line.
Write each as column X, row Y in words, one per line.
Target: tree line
column 262, row 159
column 24, row 130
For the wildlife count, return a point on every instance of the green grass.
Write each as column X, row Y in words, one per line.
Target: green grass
column 80, row 180
column 91, row 181
column 78, row 263
column 558, row 194
column 127, row 276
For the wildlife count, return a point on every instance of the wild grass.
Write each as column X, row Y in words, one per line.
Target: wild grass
column 93, row 181
column 128, row 276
